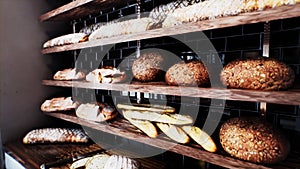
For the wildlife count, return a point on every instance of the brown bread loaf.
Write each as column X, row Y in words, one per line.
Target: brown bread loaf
column 253, row 139
column 192, row 73
column 149, row 67
column 258, row 74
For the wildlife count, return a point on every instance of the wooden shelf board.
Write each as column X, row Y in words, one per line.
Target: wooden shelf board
column 282, row 12
column 278, row 97
column 81, row 8
column 120, row 128
column 33, row 156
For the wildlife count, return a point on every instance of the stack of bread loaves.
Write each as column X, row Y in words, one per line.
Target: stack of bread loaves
column 175, row 126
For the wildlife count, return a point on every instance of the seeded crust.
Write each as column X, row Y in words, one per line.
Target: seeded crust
column 254, row 140
column 257, row 74
column 148, row 67
column 192, row 73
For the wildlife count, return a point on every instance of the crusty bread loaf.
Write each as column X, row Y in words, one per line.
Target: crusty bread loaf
column 107, row 74
column 120, row 28
column 253, row 139
column 69, row 74
column 259, row 74
column 191, row 73
column 66, row 39
column 55, row 135
column 149, row 67
column 97, row 112
column 59, row 104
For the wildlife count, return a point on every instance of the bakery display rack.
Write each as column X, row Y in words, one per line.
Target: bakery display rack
column 267, row 15
column 120, row 127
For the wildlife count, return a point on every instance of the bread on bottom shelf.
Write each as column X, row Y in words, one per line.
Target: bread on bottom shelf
column 253, row 139
column 55, row 135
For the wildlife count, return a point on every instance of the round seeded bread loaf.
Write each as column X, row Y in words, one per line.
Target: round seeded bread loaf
column 149, row 67
column 191, row 73
column 258, row 74
column 254, row 140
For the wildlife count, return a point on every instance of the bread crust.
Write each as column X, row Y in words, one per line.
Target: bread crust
column 257, row 74
column 253, row 139
column 192, row 73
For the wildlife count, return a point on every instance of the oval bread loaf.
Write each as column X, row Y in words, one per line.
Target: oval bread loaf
column 257, row 74
column 253, row 139
column 191, row 73
column 149, row 67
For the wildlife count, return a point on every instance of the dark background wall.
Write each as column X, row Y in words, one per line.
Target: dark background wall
column 22, row 67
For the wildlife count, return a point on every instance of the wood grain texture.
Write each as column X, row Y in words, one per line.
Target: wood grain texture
column 291, row 97
column 32, row 156
column 81, row 8
column 282, row 12
column 122, row 128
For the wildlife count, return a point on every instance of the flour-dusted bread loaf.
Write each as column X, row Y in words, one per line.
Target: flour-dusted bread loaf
column 55, row 135
column 258, row 74
column 253, row 139
column 69, row 74
column 192, row 73
column 121, row 162
column 120, row 28
column 149, row 66
column 66, row 39
column 59, row 104
column 97, row 112
column 106, row 74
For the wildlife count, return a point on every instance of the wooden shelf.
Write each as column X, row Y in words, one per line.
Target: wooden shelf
column 282, row 12
column 81, row 8
column 33, row 156
column 123, row 128
column 291, row 97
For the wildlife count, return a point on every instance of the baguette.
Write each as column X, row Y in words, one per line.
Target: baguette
column 177, row 119
column 175, row 133
column 147, row 107
column 201, row 138
column 146, row 126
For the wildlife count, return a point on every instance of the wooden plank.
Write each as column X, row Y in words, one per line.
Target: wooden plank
column 32, row 156
column 290, row 97
column 267, row 15
column 81, row 8
column 194, row 152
